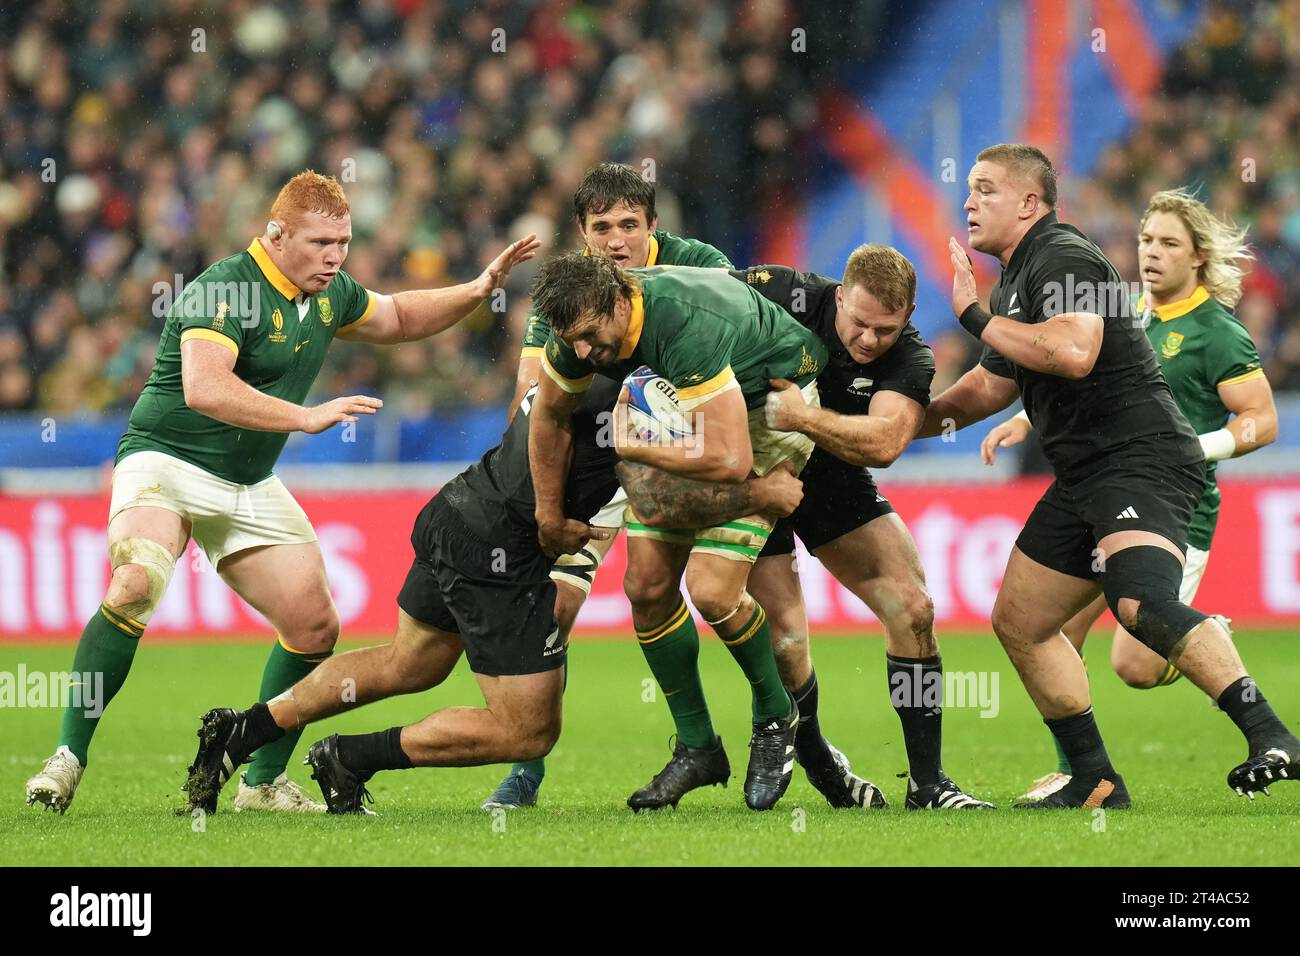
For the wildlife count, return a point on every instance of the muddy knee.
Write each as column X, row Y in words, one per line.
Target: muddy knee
column 142, row 569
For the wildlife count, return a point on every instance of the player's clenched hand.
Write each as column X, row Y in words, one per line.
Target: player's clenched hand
column 1010, row 432
column 494, row 276
column 964, row 291
column 567, row 536
column 627, row 442
column 320, row 417
column 785, row 406
column 781, row 492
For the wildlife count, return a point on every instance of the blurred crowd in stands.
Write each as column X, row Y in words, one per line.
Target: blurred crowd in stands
column 142, row 141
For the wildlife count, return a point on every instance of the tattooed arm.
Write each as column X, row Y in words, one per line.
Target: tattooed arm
column 664, row 500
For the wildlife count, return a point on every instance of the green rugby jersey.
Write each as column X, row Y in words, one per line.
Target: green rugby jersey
column 665, row 250
column 245, row 303
column 1200, row 345
column 704, row 332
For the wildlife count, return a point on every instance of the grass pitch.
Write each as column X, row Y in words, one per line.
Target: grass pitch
column 1172, row 747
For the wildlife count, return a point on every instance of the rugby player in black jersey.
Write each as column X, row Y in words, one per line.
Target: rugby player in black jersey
column 1129, row 470
column 874, row 391
column 480, row 584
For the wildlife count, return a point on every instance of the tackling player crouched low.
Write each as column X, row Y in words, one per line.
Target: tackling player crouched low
column 479, row 584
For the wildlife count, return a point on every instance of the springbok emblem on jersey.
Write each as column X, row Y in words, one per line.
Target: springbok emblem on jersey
column 1173, row 344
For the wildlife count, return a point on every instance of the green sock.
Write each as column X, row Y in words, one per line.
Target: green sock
column 537, row 768
column 1062, row 761
column 284, row 668
column 752, row 649
column 107, row 647
column 672, row 649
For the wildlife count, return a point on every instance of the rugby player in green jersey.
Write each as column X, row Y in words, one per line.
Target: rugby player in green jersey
column 718, row 342
column 614, row 212
column 239, row 352
column 1188, row 259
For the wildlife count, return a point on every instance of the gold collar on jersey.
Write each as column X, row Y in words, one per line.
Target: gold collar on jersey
column 272, row 271
column 1174, row 310
column 634, row 323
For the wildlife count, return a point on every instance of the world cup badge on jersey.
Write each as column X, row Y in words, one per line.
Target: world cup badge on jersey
column 277, row 323
column 326, row 313
column 1173, row 344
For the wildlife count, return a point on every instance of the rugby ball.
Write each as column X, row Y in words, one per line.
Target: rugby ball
column 652, row 410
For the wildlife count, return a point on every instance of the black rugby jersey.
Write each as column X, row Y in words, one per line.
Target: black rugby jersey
column 1122, row 406
column 494, row 496
column 845, row 386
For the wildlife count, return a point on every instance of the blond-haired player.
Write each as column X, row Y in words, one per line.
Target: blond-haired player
column 1189, row 261
column 240, row 350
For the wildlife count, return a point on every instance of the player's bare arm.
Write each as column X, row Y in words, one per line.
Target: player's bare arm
column 972, row 398
column 529, row 373
column 420, row 313
column 1254, row 422
column 1066, row 345
column 874, row 440
column 550, row 446
column 213, row 389
column 663, row 500
column 719, row 449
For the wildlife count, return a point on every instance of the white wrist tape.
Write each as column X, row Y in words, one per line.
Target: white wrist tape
column 1218, row 445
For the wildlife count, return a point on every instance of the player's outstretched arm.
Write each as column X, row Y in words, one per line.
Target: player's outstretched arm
column 718, row 449
column 874, row 440
column 405, row 316
column 212, row 388
column 972, row 398
column 663, row 500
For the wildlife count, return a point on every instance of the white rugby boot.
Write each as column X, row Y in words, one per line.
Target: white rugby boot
column 56, row 784
column 280, row 794
column 1046, row 785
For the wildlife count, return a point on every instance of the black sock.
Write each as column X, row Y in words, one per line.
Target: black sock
column 260, row 727
column 1244, row 702
column 809, row 745
column 1081, row 741
column 365, row 754
column 916, row 691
